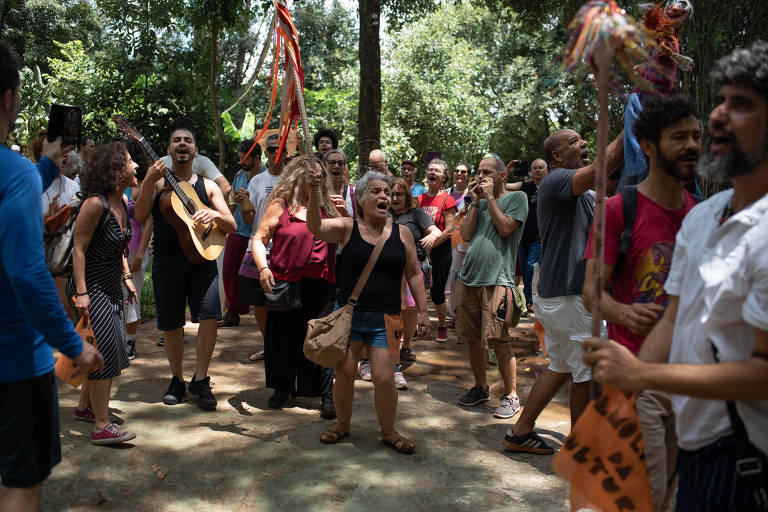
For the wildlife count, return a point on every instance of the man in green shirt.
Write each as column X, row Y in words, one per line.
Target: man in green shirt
column 493, row 228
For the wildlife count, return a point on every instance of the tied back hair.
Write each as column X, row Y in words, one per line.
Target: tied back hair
column 290, row 187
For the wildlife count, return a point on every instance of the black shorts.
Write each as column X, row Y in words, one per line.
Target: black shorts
column 177, row 283
column 29, row 430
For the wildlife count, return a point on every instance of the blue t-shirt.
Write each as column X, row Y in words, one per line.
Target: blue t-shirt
column 417, row 189
column 32, row 318
column 241, row 181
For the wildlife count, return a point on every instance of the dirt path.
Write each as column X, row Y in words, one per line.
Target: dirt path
column 246, row 456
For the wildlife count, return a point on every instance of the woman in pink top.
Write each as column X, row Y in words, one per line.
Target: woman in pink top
column 304, row 261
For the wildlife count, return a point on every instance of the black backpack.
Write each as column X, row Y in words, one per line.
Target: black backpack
column 629, row 211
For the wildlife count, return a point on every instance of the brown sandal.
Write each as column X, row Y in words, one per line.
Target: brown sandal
column 399, row 443
column 333, row 435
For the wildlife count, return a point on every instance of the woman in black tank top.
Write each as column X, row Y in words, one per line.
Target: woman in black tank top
column 380, row 297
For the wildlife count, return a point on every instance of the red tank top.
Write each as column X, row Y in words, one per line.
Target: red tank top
column 296, row 253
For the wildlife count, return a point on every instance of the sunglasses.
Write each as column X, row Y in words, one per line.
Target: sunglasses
column 272, row 149
column 460, row 171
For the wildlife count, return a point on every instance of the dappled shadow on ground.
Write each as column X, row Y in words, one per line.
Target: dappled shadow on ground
column 246, row 457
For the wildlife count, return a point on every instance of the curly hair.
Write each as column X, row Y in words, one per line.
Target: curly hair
column 745, row 66
column 105, row 168
column 410, row 201
column 326, row 133
column 290, row 187
column 659, row 113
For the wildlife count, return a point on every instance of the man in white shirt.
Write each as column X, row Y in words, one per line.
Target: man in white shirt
column 711, row 345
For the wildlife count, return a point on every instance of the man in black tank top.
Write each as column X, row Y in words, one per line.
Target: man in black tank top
column 176, row 280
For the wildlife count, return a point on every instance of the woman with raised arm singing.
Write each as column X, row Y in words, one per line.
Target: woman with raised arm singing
column 379, row 302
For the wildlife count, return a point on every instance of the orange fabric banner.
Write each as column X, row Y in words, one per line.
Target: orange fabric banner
column 603, row 457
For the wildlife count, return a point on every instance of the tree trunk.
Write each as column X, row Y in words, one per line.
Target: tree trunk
column 369, row 110
column 241, row 49
column 212, row 86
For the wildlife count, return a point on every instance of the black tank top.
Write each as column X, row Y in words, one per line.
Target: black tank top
column 381, row 293
column 165, row 239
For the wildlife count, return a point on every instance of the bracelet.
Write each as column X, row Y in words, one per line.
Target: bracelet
column 262, row 268
column 127, row 275
column 474, row 205
column 80, row 294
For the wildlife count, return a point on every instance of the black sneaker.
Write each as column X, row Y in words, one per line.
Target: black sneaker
column 474, row 396
column 131, row 349
column 202, row 389
column 278, row 399
column 327, row 410
column 175, row 393
column 529, row 443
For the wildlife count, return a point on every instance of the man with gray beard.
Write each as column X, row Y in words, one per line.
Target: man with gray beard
column 710, row 349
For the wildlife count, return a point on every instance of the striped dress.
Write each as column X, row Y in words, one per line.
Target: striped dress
column 103, row 279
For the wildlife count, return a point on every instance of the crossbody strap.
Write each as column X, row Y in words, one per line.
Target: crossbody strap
column 750, row 461
column 371, row 262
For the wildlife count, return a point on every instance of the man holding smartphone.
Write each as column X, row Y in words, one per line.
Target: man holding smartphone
column 493, row 228
column 33, row 318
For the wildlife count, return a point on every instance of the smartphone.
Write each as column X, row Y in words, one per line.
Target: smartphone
column 522, row 168
column 66, row 122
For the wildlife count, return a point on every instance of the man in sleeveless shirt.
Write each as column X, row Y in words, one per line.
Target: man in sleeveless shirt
column 176, row 280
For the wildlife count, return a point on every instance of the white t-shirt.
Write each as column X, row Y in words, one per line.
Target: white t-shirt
column 62, row 190
column 720, row 273
column 201, row 165
column 259, row 189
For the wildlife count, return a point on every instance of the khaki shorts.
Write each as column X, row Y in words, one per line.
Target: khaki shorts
column 476, row 318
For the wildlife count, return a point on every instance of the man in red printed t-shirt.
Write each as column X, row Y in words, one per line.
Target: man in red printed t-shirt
column 637, row 266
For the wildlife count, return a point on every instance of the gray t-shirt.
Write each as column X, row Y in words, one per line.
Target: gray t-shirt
column 564, row 223
column 259, row 189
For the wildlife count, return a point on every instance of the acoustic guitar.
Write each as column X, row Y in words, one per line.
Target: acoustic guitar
column 200, row 242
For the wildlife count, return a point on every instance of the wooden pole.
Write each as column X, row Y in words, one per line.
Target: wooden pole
column 598, row 243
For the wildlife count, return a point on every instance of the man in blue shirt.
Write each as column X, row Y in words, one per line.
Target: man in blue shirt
column 238, row 241
column 33, row 319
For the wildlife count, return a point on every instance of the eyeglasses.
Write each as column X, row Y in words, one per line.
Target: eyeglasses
column 460, row 171
column 335, row 162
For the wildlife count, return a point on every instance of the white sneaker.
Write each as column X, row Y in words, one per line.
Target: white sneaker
column 400, row 382
column 364, row 371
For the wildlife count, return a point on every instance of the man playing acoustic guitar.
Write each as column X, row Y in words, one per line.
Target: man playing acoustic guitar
column 176, row 279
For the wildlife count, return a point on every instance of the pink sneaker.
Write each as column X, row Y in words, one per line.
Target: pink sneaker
column 111, row 434
column 84, row 414
column 442, row 335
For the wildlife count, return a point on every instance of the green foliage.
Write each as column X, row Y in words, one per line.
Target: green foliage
column 237, row 134
column 37, row 97
column 466, row 81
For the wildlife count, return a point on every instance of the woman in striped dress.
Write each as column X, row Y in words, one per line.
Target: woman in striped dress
column 99, row 266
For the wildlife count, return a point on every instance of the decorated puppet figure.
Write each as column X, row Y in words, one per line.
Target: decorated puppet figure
column 664, row 22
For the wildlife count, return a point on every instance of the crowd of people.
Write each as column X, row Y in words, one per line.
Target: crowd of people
column 685, row 301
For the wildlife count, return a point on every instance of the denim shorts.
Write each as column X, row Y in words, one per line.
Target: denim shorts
column 368, row 327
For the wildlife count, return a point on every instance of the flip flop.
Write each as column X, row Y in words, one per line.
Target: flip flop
column 258, row 356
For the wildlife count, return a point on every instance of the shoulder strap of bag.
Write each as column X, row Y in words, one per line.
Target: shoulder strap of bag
column 750, row 462
column 371, row 262
column 629, row 211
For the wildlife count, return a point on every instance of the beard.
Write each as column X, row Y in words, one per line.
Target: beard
column 723, row 168
column 673, row 167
